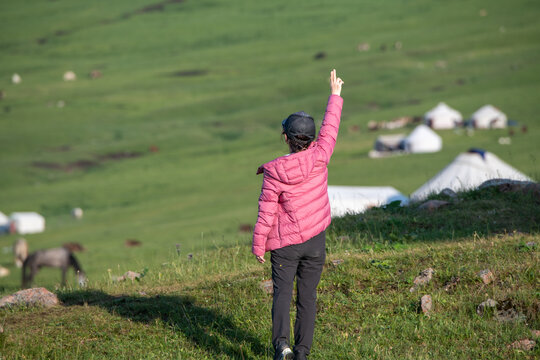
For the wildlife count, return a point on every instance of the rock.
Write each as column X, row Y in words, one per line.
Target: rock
column 3, row 271
column 524, row 344
column 132, row 243
column 432, row 205
column 337, row 262
column 30, row 297
column 508, row 185
column 131, row 275
column 441, row 64
column 450, row 193
column 422, row 279
column 267, row 286
column 451, row 284
column 95, row 74
column 363, row 46
column 535, row 333
column 16, row 79
column 70, row 76
column 73, row 247
column 507, row 312
column 426, row 304
column 77, row 213
column 486, row 276
column 489, row 303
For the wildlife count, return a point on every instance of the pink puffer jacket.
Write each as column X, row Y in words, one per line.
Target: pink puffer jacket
column 294, row 206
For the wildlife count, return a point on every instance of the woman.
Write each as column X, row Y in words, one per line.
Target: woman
column 294, row 212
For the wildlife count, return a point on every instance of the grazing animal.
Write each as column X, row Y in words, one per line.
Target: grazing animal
column 20, row 249
column 58, row 257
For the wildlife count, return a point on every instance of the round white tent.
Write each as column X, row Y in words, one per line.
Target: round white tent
column 422, row 140
column 443, row 116
column 466, row 172
column 27, row 222
column 357, row 199
column 4, row 223
column 489, row 117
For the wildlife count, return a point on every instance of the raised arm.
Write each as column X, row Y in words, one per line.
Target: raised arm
column 330, row 126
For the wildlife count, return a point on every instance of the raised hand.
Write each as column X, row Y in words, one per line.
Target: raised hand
column 335, row 83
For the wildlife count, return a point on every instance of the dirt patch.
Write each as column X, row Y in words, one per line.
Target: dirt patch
column 84, row 164
column 245, row 228
column 73, row 247
column 372, row 105
column 120, row 155
column 437, row 88
column 61, row 33
column 319, row 56
column 159, row 6
column 61, row 148
column 187, row 73
column 132, row 243
column 47, row 165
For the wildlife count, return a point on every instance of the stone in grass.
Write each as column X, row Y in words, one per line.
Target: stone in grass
column 524, row 344
column 451, row 284
column 449, row 192
column 531, row 244
column 507, row 312
column 422, row 279
column 267, row 286
column 486, row 276
column 30, row 297
column 337, row 262
column 535, row 333
column 426, row 304
column 432, row 205
column 489, row 303
column 131, row 275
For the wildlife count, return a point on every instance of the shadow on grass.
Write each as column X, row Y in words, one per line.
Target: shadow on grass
column 207, row 328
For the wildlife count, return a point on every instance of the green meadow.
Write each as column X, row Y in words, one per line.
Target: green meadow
column 164, row 145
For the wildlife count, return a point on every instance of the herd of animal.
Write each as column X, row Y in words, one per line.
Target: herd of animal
column 61, row 258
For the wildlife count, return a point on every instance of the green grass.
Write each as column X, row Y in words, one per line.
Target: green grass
column 213, row 130
column 212, row 307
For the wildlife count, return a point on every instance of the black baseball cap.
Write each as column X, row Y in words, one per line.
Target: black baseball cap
column 298, row 124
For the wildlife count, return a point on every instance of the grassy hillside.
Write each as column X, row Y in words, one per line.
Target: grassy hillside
column 213, row 307
column 206, row 83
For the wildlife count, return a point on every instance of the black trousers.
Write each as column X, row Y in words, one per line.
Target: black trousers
column 305, row 262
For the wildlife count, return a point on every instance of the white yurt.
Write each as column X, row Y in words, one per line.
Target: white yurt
column 422, row 140
column 489, row 117
column 4, row 223
column 388, row 142
column 4, row 220
column 467, row 171
column 27, row 222
column 443, row 116
column 357, row 199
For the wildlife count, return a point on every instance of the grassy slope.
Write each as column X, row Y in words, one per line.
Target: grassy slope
column 214, row 130
column 213, row 308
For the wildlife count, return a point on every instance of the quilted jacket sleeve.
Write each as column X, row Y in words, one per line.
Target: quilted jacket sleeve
column 330, row 126
column 268, row 208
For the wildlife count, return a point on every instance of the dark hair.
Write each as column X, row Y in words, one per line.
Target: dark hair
column 298, row 143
